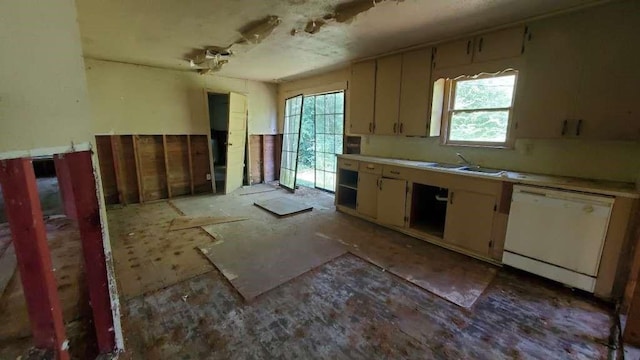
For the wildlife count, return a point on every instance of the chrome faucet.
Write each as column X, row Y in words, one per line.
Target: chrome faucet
column 467, row 162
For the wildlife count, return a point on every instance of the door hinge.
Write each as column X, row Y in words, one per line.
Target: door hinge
column 491, row 244
column 495, row 207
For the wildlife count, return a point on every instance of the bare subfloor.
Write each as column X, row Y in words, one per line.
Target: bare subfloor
column 347, row 308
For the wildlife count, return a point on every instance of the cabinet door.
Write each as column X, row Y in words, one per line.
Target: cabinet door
column 547, row 88
column 361, row 97
column 608, row 95
column 455, row 53
column 500, row 44
column 470, row 220
column 414, row 93
column 387, row 104
column 392, row 196
column 367, row 198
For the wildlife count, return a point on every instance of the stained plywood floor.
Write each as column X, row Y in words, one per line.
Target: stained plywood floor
column 351, row 308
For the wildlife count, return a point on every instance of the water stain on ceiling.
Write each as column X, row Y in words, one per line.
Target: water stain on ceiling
column 257, row 34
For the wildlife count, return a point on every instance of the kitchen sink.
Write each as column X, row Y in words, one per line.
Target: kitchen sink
column 449, row 166
column 483, row 170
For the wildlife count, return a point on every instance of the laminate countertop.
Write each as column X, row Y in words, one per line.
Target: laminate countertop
column 604, row 187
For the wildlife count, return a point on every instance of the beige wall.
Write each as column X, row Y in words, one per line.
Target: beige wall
column 136, row 99
column 610, row 160
column 43, row 93
column 331, row 81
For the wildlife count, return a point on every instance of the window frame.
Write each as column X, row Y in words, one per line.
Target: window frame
column 449, row 100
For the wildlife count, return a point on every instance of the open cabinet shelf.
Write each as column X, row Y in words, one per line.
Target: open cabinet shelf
column 348, row 192
column 429, row 209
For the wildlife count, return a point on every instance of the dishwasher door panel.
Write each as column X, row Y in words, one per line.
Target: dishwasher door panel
column 558, row 228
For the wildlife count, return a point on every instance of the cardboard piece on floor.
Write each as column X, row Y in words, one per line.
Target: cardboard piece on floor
column 255, row 266
column 8, row 264
column 186, row 222
column 283, row 206
column 256, row 189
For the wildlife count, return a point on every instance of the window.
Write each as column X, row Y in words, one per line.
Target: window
column 479, row 109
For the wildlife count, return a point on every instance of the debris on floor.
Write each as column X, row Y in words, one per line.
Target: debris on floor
column 255, row 266
column 187, row 222
column 283, row 206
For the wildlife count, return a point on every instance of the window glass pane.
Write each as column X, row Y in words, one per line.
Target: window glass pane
column 339, row 123
column 340, row 102
column 320, row 105
column 320, row 124
column 339, row 144
column 320, row 178
column 319, row 162
column 330, row 105
column 329, row 144
column 330, row 162
column 487, row 93
column 328, row 125
column 479, row 126
column 320, row 142
column 330, row 181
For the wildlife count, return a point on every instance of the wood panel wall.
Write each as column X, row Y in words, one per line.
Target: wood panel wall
column 107, row 168
column 139, row 168
column 263, row 166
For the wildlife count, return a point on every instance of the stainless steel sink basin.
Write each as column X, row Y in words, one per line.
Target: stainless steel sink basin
column 449, row 166
column 482, row 170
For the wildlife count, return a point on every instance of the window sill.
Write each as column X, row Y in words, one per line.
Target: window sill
column 507, row 146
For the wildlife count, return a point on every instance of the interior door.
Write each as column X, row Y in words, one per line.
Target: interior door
column 236, row 141
column 290, row 142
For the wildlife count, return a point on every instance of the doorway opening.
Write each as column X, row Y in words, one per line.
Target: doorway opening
column 314, row 133
column 219, row 125
column 228, row 124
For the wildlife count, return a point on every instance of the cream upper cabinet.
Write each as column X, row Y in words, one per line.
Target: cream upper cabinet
column 392, row 196
column 387, row 95
column 455, row 53
column 500, row 44
column 469, row 220
column 367, row 198
column 577, row 80
column 361, row 97
column 547, row 88
column 607, row 102
column 414, row 93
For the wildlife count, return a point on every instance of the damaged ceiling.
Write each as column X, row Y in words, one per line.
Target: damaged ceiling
column 277, row 40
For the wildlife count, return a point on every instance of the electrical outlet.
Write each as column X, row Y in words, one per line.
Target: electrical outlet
column 208, row 176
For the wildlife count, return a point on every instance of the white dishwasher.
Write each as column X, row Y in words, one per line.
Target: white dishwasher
column 557, row 234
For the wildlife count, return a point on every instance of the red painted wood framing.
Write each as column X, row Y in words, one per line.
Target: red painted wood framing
column 22, row 207
column 86, row 203
column 64, row 183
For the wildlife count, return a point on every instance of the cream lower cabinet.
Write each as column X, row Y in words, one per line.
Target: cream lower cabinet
column 382, row 199
column 367, row 198
column 469, row 220
column 392, row 198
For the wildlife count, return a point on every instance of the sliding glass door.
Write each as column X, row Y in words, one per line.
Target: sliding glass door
column 321, row 138
column 290, row 142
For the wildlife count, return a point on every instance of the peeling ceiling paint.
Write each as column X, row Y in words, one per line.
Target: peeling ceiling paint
column 164, row 33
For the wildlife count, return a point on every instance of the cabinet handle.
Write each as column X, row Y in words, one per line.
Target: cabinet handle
column 401, row 126
column 395, row 172
column 468, row 47
column 370, row 124
column 395, row 127
column 380, row 184
column 480, row 45
column 370, row 167
column 451, row 198
column 579, row 127
column 564, row 127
